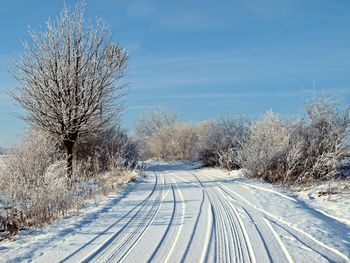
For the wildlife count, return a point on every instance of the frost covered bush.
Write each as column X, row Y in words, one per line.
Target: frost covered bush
column 162, row 137
column 148, row 125
column 111, row 181
column 222, row 142
column 34, row 186
column 185, row 141
column 33, row 181
column 318, row 145
column 262, row 153
column 302, row 151
column 174, row 142
column 109, row 149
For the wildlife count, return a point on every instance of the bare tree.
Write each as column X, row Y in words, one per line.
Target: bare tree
column 154, row 119
column 67, row 78
column 150, row 122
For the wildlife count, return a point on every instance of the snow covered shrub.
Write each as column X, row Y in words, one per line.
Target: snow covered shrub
column 174, row 142
column 107, row 158
column 185, row 141
column 109, row 149
column 33, row 180
column 34, row 185
column 223, row 141
column 159, row 145
column 112, row 180
column 148, row 125
column 161, row 137
column 264, row 153
column 290, row 152
column 318, row 145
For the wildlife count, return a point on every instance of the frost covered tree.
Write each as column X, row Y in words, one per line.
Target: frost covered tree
column 67, row 78
column 151, row 121
column 154, row 119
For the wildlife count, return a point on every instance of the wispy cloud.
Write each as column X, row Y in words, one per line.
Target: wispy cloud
column 186, row 15
column 223, row 96
column 232, row 67
column 270, row 8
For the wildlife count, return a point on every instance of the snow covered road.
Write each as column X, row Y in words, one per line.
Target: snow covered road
column 175, row 214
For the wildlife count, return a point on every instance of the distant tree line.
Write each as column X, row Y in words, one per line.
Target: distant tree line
column 287, row 151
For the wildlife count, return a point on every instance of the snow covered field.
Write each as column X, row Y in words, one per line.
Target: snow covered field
column 175, row 214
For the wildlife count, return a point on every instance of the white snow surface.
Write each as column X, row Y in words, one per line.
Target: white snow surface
column 175, row 213
column 331, row 198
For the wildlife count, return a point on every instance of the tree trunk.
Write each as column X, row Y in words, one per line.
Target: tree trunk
column 69, row 148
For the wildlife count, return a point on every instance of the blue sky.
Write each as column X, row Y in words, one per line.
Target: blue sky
column 205, row 58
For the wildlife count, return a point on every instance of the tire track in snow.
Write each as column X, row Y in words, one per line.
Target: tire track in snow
column 258, row 231
column 284, row 249
column 220, row 244
column 266, row 190
column 279, row 242
column 234, row 235
column 170, row 225
column 140, row 230
column 181, row 223
column 210, row 223
column 74, row 253
column 229, row 233
column 205, row 251
column 245, row 234
column 282, row 221
column 299, row 239
column 230, row 238
column 255, row 227
column 119, row 245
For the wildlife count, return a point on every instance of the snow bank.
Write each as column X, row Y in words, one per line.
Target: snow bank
column 330, row 198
